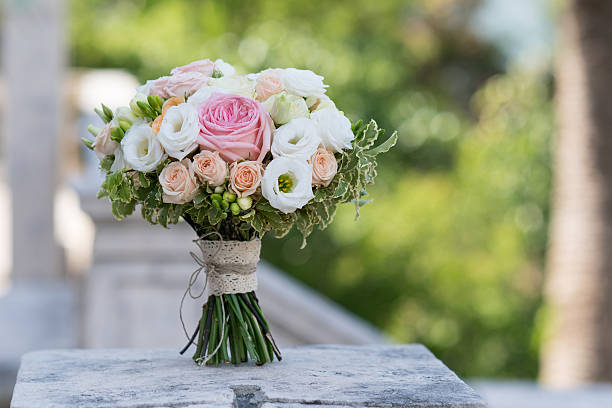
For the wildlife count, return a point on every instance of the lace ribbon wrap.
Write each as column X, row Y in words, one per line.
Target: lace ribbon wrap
column 230, row 265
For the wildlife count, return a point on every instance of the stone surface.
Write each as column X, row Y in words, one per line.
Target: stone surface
column 528, row 394
column 329, row 376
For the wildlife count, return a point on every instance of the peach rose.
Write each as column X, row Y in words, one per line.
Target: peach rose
column 210, row 167
column 245, row 177
column 104, row 145
column 268, row 83
column 178, row 182
column 174, row 101
column 324, row 167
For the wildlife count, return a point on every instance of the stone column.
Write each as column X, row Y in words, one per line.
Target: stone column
column 33, row 68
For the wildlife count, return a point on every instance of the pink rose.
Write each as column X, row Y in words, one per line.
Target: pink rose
column 210, row 167
column 268, row 83
column 204, row 67
column 179, row 183
column 324, row 167
column 245, row 177
column 185, row 83
column 235, row 126
column 156, row 87
column 104, row 145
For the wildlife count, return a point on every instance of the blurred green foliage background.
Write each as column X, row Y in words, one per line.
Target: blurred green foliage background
column 450, row 252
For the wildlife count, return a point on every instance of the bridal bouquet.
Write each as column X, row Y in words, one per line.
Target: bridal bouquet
column 236, row 157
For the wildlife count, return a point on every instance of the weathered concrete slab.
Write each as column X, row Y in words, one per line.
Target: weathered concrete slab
column 329, row 376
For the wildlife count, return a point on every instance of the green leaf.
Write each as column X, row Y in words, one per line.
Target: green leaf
column 384, row 147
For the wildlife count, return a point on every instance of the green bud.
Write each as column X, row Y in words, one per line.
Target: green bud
column 245, row 202
column 217, row 205
column 153, row 103
column 231, row 197
column 108, row 112
column 88, row 143
column 219, row 189
column 216, row 197
column 224, row 215
column 146, row 109
column 102, row 115
column 224, row 205
column 125, row 125
column 93, row 130
column 235, row 208
column 117, row 134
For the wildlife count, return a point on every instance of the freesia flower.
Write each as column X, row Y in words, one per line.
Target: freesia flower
column 302, row 82
column 245, row 177
column 283, row 107
column 210, row 168
column 287, row 184
column 179, row 183
column 297, row 139
column 324, row 167
column 141, row 149
column 179, row 130
column 334, row 129
column 235, row 126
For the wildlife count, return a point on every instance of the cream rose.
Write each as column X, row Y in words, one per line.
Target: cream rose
column 103, row 144
column 245, row 177
column 283, row 107
column 179, row 129
column 179, row 183
column 268, row 83
column 141, row 149
column 334, row 129
column 210, row 168
column 324, row 167
column 302, row 82
column 297, row 139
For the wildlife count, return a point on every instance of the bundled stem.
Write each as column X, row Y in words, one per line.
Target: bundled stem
column 231, row 329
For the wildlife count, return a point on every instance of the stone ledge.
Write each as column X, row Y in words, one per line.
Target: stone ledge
column 313, row 376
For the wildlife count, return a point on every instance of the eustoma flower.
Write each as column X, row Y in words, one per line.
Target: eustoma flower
column 235, row 126
column 286, row 184
column 178, row 182
column 297, row 139
column 302, row 82
column 104, row 145
column 334, row 129
column 141, row 149
column 179, row 130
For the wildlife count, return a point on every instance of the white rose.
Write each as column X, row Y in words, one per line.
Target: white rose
column 286, row 184
column 203, row 94
column 224, row 68
column 141, row 149
column 179, row 130
column 334, row 129
column 234, row 84
column 297, row 139
column 302, row 82
column 283, row 107
column 318, row 102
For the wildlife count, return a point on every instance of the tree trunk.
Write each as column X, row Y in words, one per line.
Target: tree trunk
column 578, row 348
